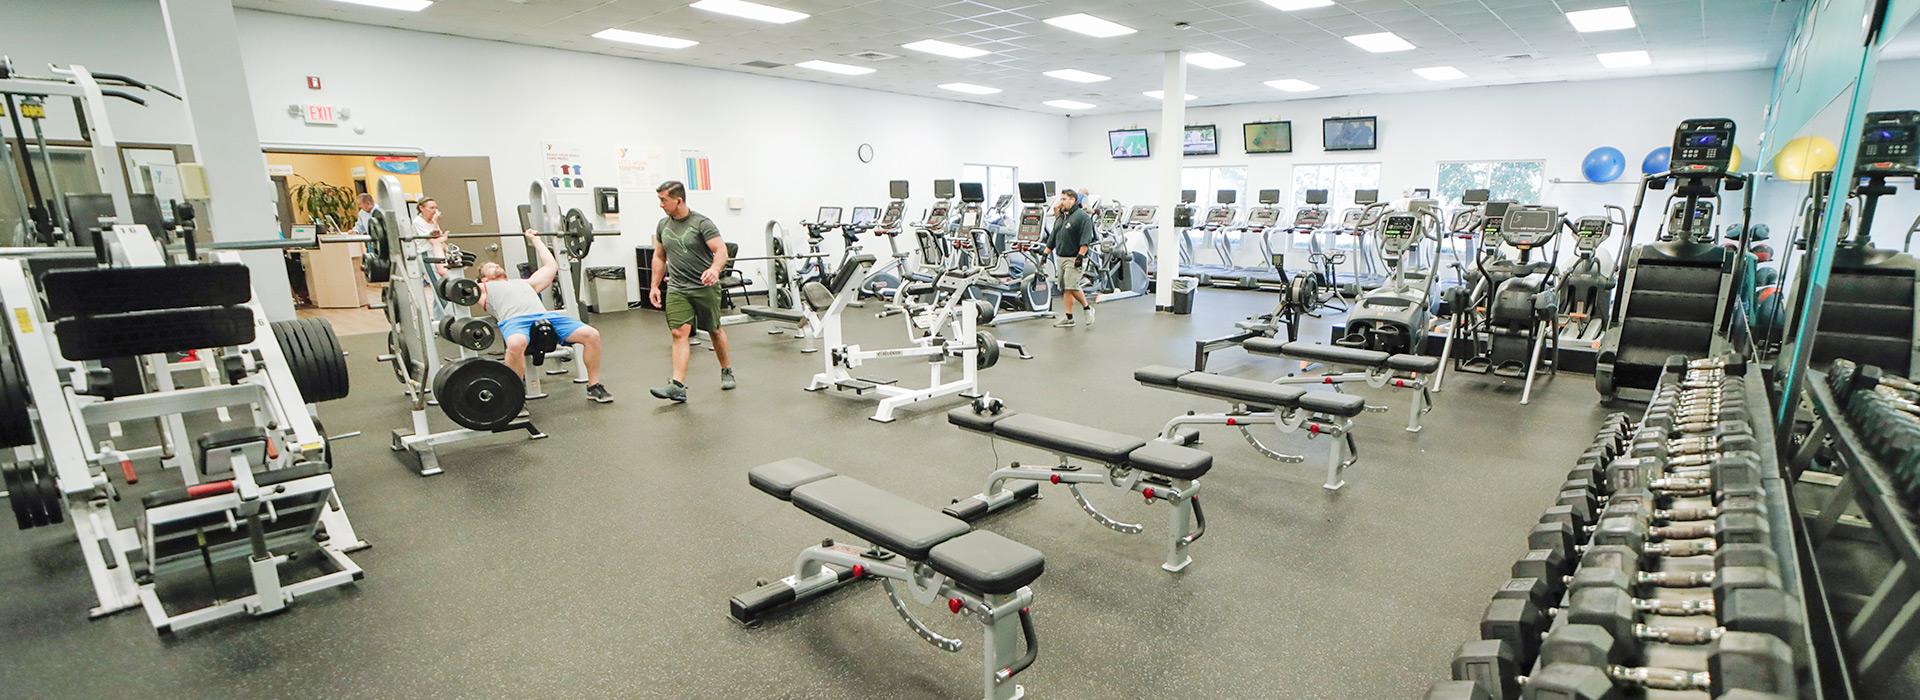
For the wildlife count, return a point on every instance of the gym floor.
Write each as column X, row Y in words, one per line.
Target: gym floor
column 599, row 561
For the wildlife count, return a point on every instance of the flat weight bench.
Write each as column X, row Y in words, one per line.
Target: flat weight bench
column 1253, row 403
column 1378, row 369
column 941, row 560
column 1155, row 470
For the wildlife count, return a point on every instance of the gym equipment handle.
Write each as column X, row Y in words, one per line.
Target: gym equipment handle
column 1033, row 648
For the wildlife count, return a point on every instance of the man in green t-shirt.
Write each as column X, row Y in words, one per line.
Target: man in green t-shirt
column 689, row 254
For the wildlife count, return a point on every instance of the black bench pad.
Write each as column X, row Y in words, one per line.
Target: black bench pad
column 987, row 563
column 1170, row 460
column 770, row 313
column 1073, row 439
column 880, row 517
column 1346, row 405
column 1414, row 363
column 1160, row 375
column 1243, row 390
column 780, row 478
column 178, row 494
column 970, row 419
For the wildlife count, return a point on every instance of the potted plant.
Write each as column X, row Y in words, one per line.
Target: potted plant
column 329, row 207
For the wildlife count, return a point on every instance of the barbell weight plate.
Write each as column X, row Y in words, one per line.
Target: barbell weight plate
column 479, row 394
column 284, row 333
column 989, row 350
column 50, row 496
column 444, row 329
column 378, row 268
column 378, row 247
column 576, row 233
column 476, row 334
column 17, row 496
column 393, row 350
column 303, row 359
column 392, row 309
column 16, row 427
column 332, row 361
column 783, row 299
column 36, row 494
column 458, row 290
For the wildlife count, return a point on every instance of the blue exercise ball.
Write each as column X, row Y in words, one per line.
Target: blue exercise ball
column 1657, row 160
column 1604, row 164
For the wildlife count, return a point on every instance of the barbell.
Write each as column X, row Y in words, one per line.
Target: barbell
column 576, row 234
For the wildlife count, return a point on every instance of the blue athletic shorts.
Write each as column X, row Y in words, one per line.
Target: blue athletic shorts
column 563, row 325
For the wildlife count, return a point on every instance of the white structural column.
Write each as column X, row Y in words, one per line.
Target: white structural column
column 226, row 142
column 1173, row 122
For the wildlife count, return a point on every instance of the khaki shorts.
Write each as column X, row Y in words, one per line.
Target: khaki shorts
column 700, row 307
column 1070, row 274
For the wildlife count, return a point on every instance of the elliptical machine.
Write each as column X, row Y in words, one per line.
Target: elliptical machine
column 1396, row 317
column 1681, row 294
column 1017, row 288
column 1113, row 270
column 1586, row 288
column 1508, row 316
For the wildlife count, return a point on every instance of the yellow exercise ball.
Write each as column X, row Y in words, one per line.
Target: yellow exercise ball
column 1733, row 164
column 1800, row 158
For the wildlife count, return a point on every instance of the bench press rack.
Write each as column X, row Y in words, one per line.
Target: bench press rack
column 1377, row 369
column 940, row 560
column 1156, row 470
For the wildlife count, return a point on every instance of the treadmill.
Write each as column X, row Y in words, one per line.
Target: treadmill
column 1220, row 216
column 1363, row 273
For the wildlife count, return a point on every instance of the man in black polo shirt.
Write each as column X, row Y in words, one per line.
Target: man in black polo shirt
column 1072, row 237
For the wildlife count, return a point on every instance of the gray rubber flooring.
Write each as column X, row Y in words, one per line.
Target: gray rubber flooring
column 599, row 562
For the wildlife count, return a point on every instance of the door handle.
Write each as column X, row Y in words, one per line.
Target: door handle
column 493, row 248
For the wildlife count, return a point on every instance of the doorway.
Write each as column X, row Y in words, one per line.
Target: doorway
column 317, row 193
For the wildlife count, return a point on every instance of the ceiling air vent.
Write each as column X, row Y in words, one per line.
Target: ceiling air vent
column 762, row 64
column 1516, row 57
column 872, row 56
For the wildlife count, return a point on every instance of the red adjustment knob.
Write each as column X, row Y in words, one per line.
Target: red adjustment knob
column 1400, row 383
column 859, row 571
column 1233, row 421
column 1148, row 492
column 127, row 472
column 1055, row 478
column 1326, row 380
column 1313, row 429
column 953, row 604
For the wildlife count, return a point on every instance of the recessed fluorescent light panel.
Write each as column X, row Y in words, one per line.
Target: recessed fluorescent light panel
column 751, row 10
column 1439, row 73
column 1161, row 94
column 1292, row 85
column 1605, row 19
column 1078, row 76
column 832, row 67
column 626, row 37
column 1625, row 59
column 969, row 88
column 403, row 5
column 1068, row 104
column 941, row 48
column 1090, row 25
column 1291, row 5
column 1380, row 42
column 1212, row 61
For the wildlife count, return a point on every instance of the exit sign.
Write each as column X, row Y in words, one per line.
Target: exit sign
column 320, row 114
column 313, row 82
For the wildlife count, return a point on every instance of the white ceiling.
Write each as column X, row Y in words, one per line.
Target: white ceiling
column 1493, row 41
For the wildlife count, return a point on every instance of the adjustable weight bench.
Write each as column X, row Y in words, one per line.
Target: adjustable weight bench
column 1378, row 369
column 1253, row 402
column 940, row 560
column 1155, row 470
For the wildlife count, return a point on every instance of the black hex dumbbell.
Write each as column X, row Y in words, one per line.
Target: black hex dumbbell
column 1768, row 611
column 1746, row 661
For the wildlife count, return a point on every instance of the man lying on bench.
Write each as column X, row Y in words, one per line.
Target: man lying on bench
column 1378, row 369
column 1156, row 470
column 1251, row 402
column 940, row 560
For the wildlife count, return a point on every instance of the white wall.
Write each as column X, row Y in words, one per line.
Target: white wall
column 1555, row 122
column 115, row 36
column 786, row 146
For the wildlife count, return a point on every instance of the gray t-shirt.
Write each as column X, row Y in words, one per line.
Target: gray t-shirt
column 510, row 298
column 685, row 241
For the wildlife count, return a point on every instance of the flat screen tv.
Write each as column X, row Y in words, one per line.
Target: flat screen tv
column 1268, row 137
column 1200, row 140
column 1350, row 133
column 1128, row 143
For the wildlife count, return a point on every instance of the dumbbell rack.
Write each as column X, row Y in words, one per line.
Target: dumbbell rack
column 1882, row 634
column 1820, row 673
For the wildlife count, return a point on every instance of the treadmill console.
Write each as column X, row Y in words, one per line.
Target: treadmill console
column 1702, row 147
column 1263, row 217
column 1142, row 214
column 1589, row 232
column 1221, row 215
column 1030, row 224
column 1314, row 197
column 1530, row 226
column 1349, row 219
column 1366, row 197
column 1699, row 227
column 1890, row 145
column 1396, row 233
column 828, row 217
column 1312, row 218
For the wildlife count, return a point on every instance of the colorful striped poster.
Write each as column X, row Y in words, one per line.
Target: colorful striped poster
column 699, row 170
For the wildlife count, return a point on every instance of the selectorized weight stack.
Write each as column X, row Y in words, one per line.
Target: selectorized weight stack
column 481, row 395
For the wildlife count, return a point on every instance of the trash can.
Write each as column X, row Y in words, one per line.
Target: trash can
column 1183, row 289
column 609, row 285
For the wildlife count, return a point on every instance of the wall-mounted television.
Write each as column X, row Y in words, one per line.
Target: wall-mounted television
column 1268, row 137
column 1128, row 143
column 1350, row 133
column 1200, row 140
